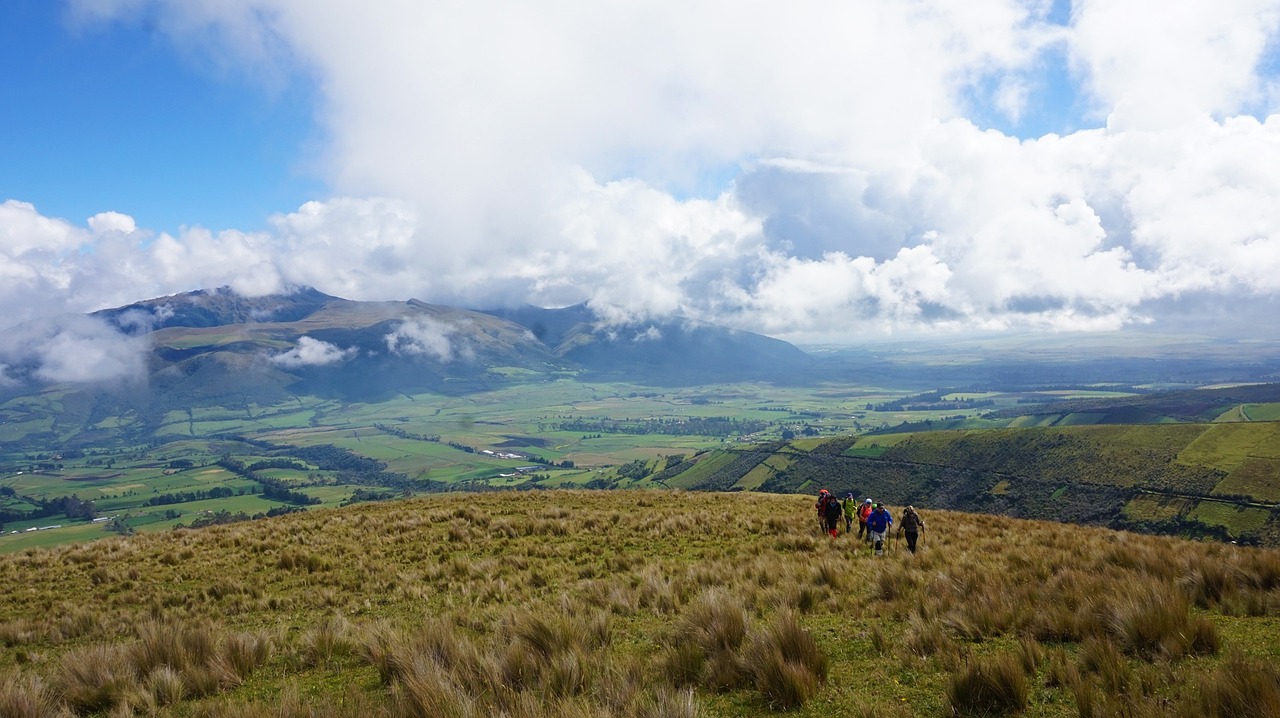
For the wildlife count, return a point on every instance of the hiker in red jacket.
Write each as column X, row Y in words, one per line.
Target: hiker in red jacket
column 821, row 507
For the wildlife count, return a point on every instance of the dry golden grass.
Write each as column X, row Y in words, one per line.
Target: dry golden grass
column 633, row 604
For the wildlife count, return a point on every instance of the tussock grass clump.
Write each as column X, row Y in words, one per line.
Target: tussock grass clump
column 1154, row 621
column 1240, row 687
column 714, row 646
column 1207, row 582
column 95, row 678
column 785, row 662
column 29, row 696
column 1100, row 657
column 423, row 689
column 707, row 638
column 330, row 640
column 925, row 637
column 992, row 686
column 166, row 685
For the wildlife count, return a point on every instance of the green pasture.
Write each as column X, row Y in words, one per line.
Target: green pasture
column 1255, row 477
column 1261, row 412
column 763, row 471
column 143, row 518
column 69, row 533
column 1226, row 446
column 809, row 443
column 1153, row 507
column 1081, row 419
column 1234, row 414
column 15, row 431
column 1023, row 422
column 971, row 395
column 1236, row 519
column 702, row 470
column 331, row 496
column 1065, row 394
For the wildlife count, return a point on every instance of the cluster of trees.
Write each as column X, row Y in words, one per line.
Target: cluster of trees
column 396, row 431
column 279, row 492
column 691, row 426
column 277, row 464
column 334, row 458
column 73, row 507
column 633, row 470
column 930, row 401
column 226, row 517
column 789, row 433
column 182, row 497
column 271, row 488
column 368, row 495
column 535, row 459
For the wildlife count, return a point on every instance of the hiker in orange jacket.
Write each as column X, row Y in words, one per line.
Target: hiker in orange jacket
column 863, row 512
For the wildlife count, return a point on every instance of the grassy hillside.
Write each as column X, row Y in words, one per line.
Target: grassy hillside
column 1258, row 402
column 1227, row 475
column 635, row 604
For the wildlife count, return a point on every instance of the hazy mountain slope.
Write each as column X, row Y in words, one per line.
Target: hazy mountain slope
column 214, row 348
column 672, row 351
column 1194, row 405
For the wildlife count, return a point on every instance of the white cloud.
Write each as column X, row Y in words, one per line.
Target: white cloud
column 312, row 352
column 424, row 336
column 1155, row 64
column 76, row 349
column 805, row 169
column 104, row 222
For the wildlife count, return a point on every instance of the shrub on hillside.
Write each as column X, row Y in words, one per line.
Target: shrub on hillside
column 1239, row 688
column 785, row 663
column 95, row 678
column 1154, row 620
column 29, row 696
column 993, row 686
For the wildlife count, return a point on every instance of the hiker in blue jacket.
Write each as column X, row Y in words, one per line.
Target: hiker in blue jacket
column 879, row 523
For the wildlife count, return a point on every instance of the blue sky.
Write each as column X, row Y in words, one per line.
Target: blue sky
column 114, row 118
column 819, row 171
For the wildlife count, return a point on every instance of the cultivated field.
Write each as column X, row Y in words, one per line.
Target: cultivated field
column 565, row 433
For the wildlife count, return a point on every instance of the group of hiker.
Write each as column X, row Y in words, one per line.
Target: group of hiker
column 874, row 520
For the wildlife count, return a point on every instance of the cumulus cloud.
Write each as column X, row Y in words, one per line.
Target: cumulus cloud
column 312, row 352
column 74, row 349
column 423, row 336
column 813, row 170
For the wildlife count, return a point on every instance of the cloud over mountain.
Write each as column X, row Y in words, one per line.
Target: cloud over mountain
column 810, row 170
column 312, row 352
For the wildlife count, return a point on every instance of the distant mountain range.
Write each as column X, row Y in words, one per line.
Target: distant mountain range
column 213, row 343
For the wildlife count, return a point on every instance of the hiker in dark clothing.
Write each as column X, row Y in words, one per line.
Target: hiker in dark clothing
column 911, row 525
column 834, row 511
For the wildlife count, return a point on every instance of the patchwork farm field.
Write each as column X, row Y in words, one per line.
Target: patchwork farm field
column 568, row 433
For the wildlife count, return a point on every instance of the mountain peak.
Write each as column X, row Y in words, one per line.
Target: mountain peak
column 215, row 307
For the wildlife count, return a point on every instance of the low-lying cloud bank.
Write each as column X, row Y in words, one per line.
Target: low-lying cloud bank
column 817, row 172
column 1085, row 232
